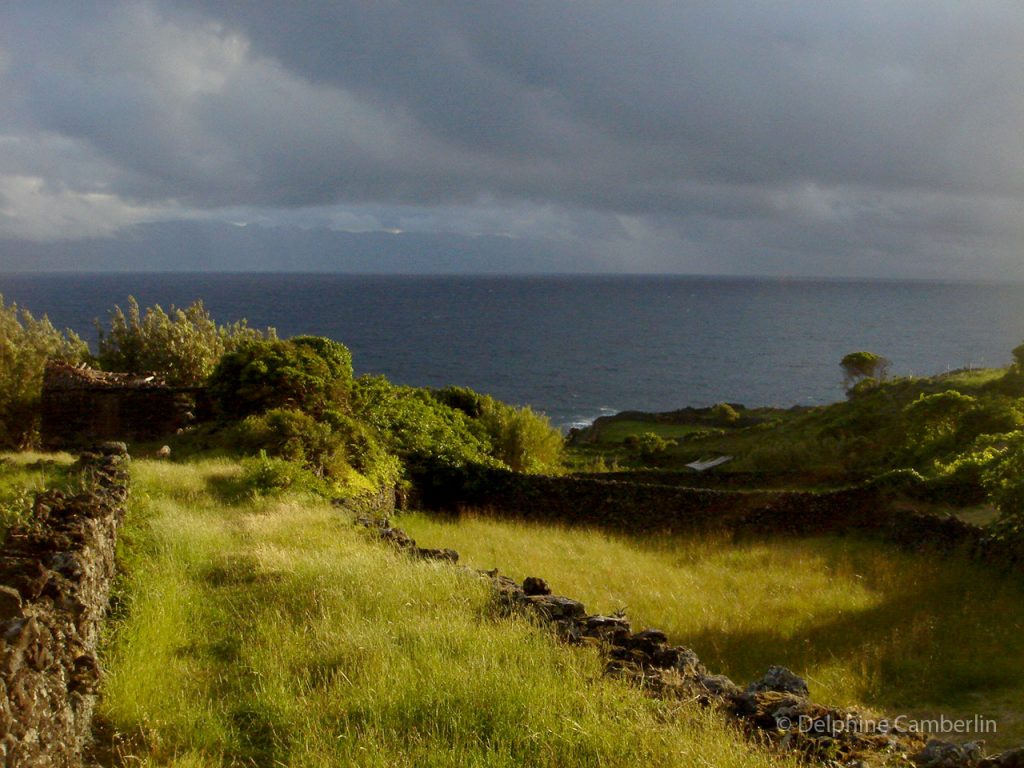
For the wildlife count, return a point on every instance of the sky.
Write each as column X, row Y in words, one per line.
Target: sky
column 843, row 139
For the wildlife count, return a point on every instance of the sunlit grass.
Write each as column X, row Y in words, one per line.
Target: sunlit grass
column 866, row 623
column 273, row 633
column 21, row 476
column 618, row 430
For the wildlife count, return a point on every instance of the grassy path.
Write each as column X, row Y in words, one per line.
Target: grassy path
column 273, row 633
column 867, row 624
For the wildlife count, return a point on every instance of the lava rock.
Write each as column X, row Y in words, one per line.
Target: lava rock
column 1014, row 758
column 556, row 607
column 534, row 585
column 649, row 641
column 444, row 555
column 780, row 680
column 944, row 754
column 613, row 629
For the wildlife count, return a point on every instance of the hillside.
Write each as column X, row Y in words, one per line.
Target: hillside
column 270, row 631
column 253, row 624
column 927, row 424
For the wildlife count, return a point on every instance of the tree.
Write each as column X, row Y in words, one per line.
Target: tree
column 931, row 417
column 182, row 345
column 858, row 366
column 725, row 414
column 305, row 373
column 522, row 438
column 1018, row 357
column 648, row 446
column 26, row 343
column 1003, row 478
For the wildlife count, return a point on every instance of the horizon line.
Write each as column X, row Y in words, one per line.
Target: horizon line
column 519, row 275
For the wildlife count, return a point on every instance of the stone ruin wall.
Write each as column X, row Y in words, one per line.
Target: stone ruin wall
column 633, row 507
column 80, row 406
column 775, row 710
column 55, row 580
column 652, row 508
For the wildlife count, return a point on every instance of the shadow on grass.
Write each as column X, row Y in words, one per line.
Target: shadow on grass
column 913, row 649
column 229, row 488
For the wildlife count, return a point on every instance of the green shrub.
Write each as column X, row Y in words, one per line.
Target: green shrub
column 932, row 417
column 183, row 345
column 305, row 373
column 337, row 448
column 417, row 427
column 994, row 416
column 1003, row 474
column 288, row 434
column 363, row 450
column 725, row 414
column 862, row 387
column 648, row 446
column 265, row 475
column 522, row 438
column 464, row 399
column 26, row 343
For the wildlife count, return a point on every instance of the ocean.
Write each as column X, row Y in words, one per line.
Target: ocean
column 580, row 347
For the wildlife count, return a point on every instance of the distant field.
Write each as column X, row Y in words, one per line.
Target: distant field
column 972, row 379
column 618, row 430
column 865, row 623
column 272, row 632
column 842, row 442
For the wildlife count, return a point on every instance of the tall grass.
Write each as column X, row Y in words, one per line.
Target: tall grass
column 22, row 475
column 272, row 633
column 867, row 624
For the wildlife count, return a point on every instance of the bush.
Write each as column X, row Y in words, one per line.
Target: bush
column 648, row 446
column 725, row 414
column 522, row 438
column 183, row 346
column 416, row 426
column 265, row 475
column 287, row 434
column 932, row 417
column 26, row 343
column 305, row 373
column 1003, row 474
column 464, row 399
column 363, row 450
column 995, row 416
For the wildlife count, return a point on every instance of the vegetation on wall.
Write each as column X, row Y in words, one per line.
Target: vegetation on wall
column 182, row 345
column 26, row 343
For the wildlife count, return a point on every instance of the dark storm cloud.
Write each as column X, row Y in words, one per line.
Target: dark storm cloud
column 852, row 138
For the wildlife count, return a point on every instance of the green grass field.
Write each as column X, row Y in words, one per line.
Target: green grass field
column 618, row 430
column 865, row 623
column 816, row 447
column 21, row 476
column 271, row 632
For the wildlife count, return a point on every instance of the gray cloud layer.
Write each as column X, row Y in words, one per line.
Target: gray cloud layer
column 816, row 138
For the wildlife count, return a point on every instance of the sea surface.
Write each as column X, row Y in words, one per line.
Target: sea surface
column 580, row 347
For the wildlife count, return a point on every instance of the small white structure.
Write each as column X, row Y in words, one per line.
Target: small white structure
column 700, row 466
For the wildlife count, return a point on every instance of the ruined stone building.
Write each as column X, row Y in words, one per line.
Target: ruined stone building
column 81, row 405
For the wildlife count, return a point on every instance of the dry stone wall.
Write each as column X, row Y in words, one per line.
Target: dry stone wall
column 80, row 406
column 775, row 709
column 55, row 579
column 648, row 507
column 639, row 507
